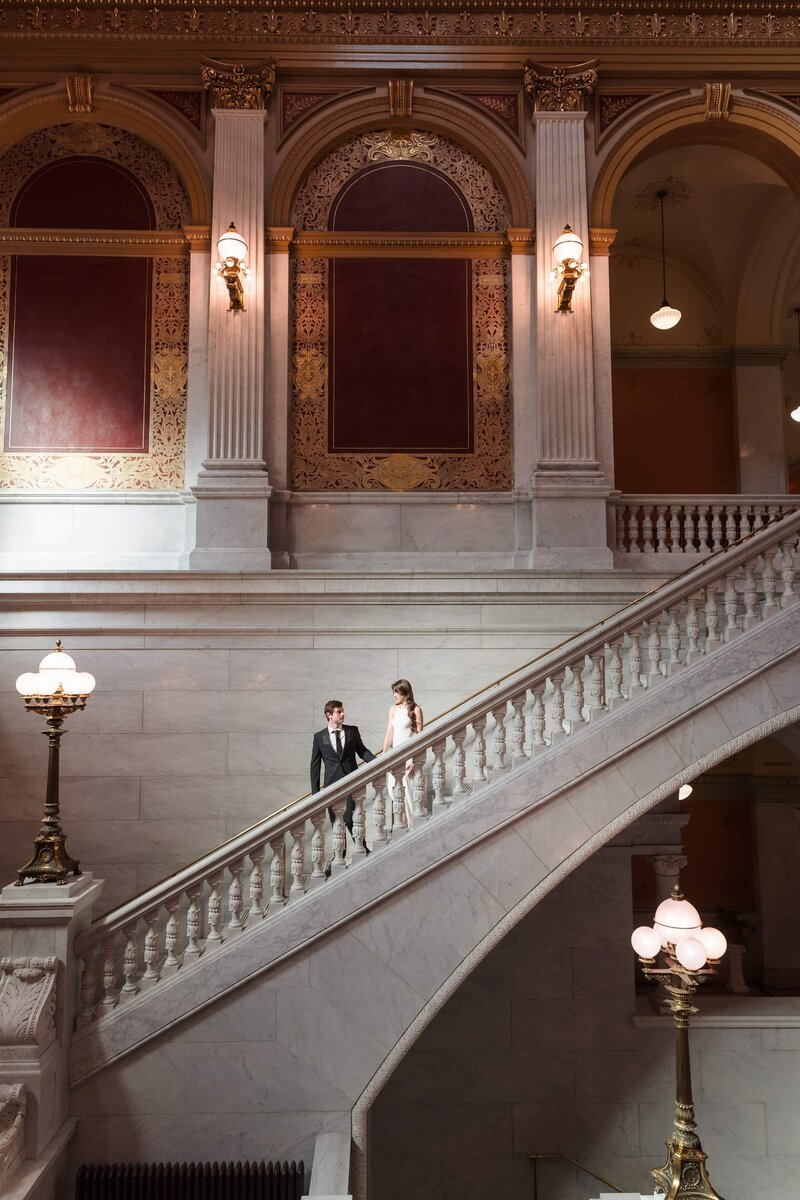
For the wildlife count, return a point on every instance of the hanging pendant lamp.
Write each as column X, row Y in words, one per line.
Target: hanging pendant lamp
column 666, row 316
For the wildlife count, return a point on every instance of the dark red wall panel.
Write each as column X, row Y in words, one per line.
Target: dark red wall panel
column 79, row 360
column 396, row 197
column 83, row 193
column 401, row 355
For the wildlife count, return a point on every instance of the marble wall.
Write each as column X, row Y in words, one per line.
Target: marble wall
column 538, row 1053
column 209, row 689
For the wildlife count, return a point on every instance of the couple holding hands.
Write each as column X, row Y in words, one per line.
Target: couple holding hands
column 337, row 746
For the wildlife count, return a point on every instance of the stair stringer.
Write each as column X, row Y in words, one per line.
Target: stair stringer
column 350, row 975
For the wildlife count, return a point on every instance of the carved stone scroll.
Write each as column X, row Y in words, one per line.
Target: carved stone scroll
column 562, row 89
column 12, row 1127
column 233, row 85
column 27, row 1000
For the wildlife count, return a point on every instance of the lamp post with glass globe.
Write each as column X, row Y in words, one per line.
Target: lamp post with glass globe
column 689, row 954
column 54, row 691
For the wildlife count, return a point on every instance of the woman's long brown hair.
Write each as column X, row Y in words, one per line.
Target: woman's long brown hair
column 407, row 692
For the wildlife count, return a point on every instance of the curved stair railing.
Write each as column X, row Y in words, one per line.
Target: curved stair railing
column 244, row 882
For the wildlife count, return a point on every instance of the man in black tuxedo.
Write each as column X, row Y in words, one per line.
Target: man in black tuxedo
column 336, row 747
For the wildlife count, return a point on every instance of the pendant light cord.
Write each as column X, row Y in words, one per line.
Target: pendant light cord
column 665, row 302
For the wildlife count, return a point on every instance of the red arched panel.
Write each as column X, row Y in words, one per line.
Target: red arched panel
column 395, row 197
column 83, row 193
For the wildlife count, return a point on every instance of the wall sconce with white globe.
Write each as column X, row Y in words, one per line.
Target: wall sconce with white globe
column 232, row 249
column 567, row 251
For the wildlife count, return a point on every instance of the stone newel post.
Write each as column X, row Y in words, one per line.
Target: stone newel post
column 233, row 488
column 569, row 486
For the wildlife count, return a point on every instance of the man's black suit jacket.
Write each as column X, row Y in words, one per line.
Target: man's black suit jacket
column 323, row 754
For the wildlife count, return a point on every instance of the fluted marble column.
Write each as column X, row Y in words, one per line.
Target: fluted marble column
column 233, row 488
column 569, row 487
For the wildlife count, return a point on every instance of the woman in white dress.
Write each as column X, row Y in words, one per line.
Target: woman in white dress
column 405, row 719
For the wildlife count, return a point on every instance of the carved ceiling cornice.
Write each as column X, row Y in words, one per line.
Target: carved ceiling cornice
column 601, row 23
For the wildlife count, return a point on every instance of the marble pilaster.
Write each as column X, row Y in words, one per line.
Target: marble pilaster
column 761, row 420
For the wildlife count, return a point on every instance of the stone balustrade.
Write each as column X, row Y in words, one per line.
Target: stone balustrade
column 536, row 710
column 691, row 525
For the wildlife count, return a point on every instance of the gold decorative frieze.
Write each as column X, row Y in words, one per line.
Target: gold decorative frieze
column 718, row 101
column 389, row 144
column 560, row 89
column 279, row 239
column 103, row 242
column 601, row 23
column 234, row 85
column 79, row 93
column 601, row 241
column 522, row 241
column 401, row 97
column 198, row 238
column 356, row 244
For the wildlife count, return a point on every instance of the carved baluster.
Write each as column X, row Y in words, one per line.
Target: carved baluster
column 214, row 912
column 576, row 720
column 769, row 583
column 674, row 662
column 152, row 973
column 130, row 966
column 635, row 662
column 399, row 814
column 255, row 912
column 419, row 789
column 478, row 754
column 789, row 594
column 615, row 695
column 298, row 860
column 359, row 825
column 654, row 674
column 459, row 766
column 597, row 685
column 236, row 898
column 716, row 527
column 703, row 528
column 557, row 730
column 538, row 720
column 172, row 962
column 277, row 873
column 499, row 747
column 379, row 813
column 695, row 530
column 632, row 521
column 693, row 651
column 438, row 777
column 518, row 756
column 648, row 544
column 661, row 529
column 194, row 921
column 620, row 527
column 317, row 877
column 88, row 988
column 340, row 836
column 110, row 982
column 681, row 529
column 750, row 617
column 731, row 604
column 712, row 618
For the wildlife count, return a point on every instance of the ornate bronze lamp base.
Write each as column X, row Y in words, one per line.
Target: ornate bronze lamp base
column 50, row 862
column 684, row 1175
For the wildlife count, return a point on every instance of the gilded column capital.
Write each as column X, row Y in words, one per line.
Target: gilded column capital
column 560, row 89
column 237, row 85
column 601, row 241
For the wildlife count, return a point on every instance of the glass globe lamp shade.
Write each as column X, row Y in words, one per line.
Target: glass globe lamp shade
column 56, row 670
column 567, row 246
column 665, row 317
column 714, row 941
column 27, row 683
column 232, row 244
column 691, row 953
column 646, row 942
column 675, row 920
column 795, row 413
column 685, row 791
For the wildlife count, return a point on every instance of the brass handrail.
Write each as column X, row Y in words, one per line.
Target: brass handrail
column 534, row 1158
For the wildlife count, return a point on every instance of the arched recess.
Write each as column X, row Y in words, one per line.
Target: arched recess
column 755, row 127
column 134, row 114
column 466, row 128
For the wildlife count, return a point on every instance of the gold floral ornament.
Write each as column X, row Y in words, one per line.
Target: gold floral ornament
column 401, row 472
column 396, row 146
column 234, row 85
column 563, row 89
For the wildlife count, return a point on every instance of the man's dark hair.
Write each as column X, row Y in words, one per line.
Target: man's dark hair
column 330, row 705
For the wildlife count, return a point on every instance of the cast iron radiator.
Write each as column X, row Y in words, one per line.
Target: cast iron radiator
column 190, row 1181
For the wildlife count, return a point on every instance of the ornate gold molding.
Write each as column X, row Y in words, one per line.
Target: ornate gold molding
column 79, row 93
column 401, row 97
column 198, row 238
column 522, row 241
column 236, row 86
column 279, row 239
column 560, row 89
column 601, row 241
column 718, row 101
column 119, row 242
column 400, row 245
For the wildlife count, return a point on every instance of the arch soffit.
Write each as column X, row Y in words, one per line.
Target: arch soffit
column 755, row 127
column 34, row 111
column 336, row 126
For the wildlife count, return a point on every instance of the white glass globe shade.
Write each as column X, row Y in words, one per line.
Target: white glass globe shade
column 567, row 246
column 685, row 791
column 57, row 661
column 691, row 953
column 714, row 941
column 795, row 413
column 665, row 317
column 645, row 941
column 232, row 244
column 83, row 684
column 676, row 919
column 27, row 684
